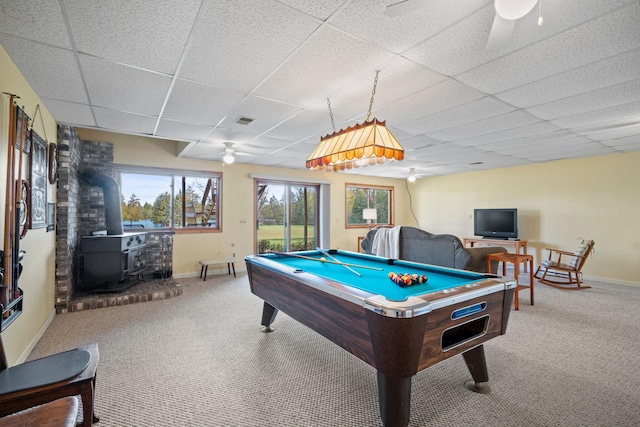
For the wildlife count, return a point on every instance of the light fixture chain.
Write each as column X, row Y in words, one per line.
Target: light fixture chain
column 373, row 92
column 333, row 123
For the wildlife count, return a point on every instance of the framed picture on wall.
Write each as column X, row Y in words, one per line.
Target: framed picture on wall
column 38, row 166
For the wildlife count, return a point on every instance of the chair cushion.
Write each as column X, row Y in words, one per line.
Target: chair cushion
column 554, row 264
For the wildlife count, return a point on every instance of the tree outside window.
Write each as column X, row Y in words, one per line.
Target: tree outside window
column 360, row 197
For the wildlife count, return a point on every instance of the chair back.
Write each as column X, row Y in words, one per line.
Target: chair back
column 3, row 357
column 582, row 253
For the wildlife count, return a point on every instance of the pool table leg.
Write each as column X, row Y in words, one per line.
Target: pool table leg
column 269, row 313
column 477, row 364
column 394, row 395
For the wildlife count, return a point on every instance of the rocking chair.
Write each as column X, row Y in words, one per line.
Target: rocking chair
column 562, row 269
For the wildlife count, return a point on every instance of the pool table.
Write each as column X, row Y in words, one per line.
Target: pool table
column 397, row 330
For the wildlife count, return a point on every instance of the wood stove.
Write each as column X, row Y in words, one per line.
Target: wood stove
column 116, row 261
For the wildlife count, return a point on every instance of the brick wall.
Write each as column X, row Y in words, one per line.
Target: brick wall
column 80, row 212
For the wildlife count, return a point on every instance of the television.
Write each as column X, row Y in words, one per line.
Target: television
column 496, row 223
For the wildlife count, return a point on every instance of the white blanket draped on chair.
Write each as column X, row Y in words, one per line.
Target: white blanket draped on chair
column 386, row 242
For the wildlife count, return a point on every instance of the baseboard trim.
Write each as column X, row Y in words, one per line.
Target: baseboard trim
column 27, row 351
column 612, row 281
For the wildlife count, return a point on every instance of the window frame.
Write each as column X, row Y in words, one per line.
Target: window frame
column 368, row 187
column 178, row 177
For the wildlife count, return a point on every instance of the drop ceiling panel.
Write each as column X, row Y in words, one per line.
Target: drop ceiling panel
column 623, row 93
column 310, row 122
column 124, row 88
column 510, row 120
column 266, row 114
column 36, row 63
column 628, row 111
column 608, row 72
column 471, row 112
column 487, row 140
column 367, row 20
column 594, row 40
column 125, row 122
column 150, row 35
column 551, row 146
column 629, row 143
column 179, row 131
column 327, row 61
column 397, row 79
column 615, row 131
column 70, row 112
column 321, row 9
column 594, row 149
column 239, row 43
column 443, row 96
column 39, row 20
column 520, row 142
column 190, row 102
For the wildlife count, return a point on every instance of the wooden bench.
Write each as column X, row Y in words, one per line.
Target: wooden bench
column 59, row 413
column 205, row 263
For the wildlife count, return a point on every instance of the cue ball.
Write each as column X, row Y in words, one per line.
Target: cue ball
column 323, row 259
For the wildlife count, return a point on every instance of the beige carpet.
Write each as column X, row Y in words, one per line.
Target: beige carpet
column 199, row 359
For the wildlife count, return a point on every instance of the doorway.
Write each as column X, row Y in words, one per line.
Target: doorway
column 286, row 216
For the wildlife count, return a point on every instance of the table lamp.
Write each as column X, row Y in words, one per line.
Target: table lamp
column 369, row 215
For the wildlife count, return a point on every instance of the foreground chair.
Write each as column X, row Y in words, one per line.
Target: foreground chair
column 562, row 269
column 48, row 379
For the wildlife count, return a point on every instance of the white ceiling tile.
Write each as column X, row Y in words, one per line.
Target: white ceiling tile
column 514, row 119
column 124, row 122
column 612, row 131
column 630, row 143
column 517, row 143
column 327, row 61
column 624, row 111
column 610, row 71
column 37, row 61
column 239, row 43
column 39, row 20
column 397, row 79
column 119, row 87
column 623, row 93
column 586, row 151
column 440, row 97
column 321, row 9
column 466, row 113
column 70, row 112
column 308, row 122
column 266, row 114
column 594, row 40
column 367, row 20
column 150, row 35
column 179, row 131
column 190, row 102
column 509, row 134
column 529, row 150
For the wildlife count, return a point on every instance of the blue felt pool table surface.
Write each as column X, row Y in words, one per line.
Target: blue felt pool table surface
column 377, row 282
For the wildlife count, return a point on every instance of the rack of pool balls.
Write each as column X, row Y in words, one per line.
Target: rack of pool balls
column 406, row 279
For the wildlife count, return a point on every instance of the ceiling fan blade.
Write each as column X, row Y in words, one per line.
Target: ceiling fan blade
column 501, row 31
column 406, row 6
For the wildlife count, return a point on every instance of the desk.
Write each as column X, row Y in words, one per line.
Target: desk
column 519, row 245
column 397, row 330
column 516, row 259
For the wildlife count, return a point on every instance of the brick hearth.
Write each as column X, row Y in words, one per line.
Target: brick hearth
column 152, row 290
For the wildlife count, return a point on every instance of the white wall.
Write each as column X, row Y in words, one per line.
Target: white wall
column 594, row 198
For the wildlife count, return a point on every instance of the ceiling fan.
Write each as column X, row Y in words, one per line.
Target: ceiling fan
column 507, row 13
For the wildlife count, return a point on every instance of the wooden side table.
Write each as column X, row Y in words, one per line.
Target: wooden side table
column 520, row 246
column 516, row 259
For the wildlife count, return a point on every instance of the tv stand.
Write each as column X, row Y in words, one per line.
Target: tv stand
column 519, row 245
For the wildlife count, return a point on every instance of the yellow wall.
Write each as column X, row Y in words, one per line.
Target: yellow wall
column 37, row 279
column 237, row 199
column 594, row 198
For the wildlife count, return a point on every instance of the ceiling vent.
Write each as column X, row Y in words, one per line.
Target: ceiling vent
column 243, row 120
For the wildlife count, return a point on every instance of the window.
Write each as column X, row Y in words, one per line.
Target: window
column 165, row 198
column 360, row 197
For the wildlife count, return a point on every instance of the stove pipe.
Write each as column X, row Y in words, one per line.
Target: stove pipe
column 111, row 191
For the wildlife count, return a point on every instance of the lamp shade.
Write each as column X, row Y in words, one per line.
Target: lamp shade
column 370, row 214
column 364, row 144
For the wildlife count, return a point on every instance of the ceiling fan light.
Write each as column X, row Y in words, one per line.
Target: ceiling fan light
column 540, row 21
column 412, row 176
column 228, row 158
